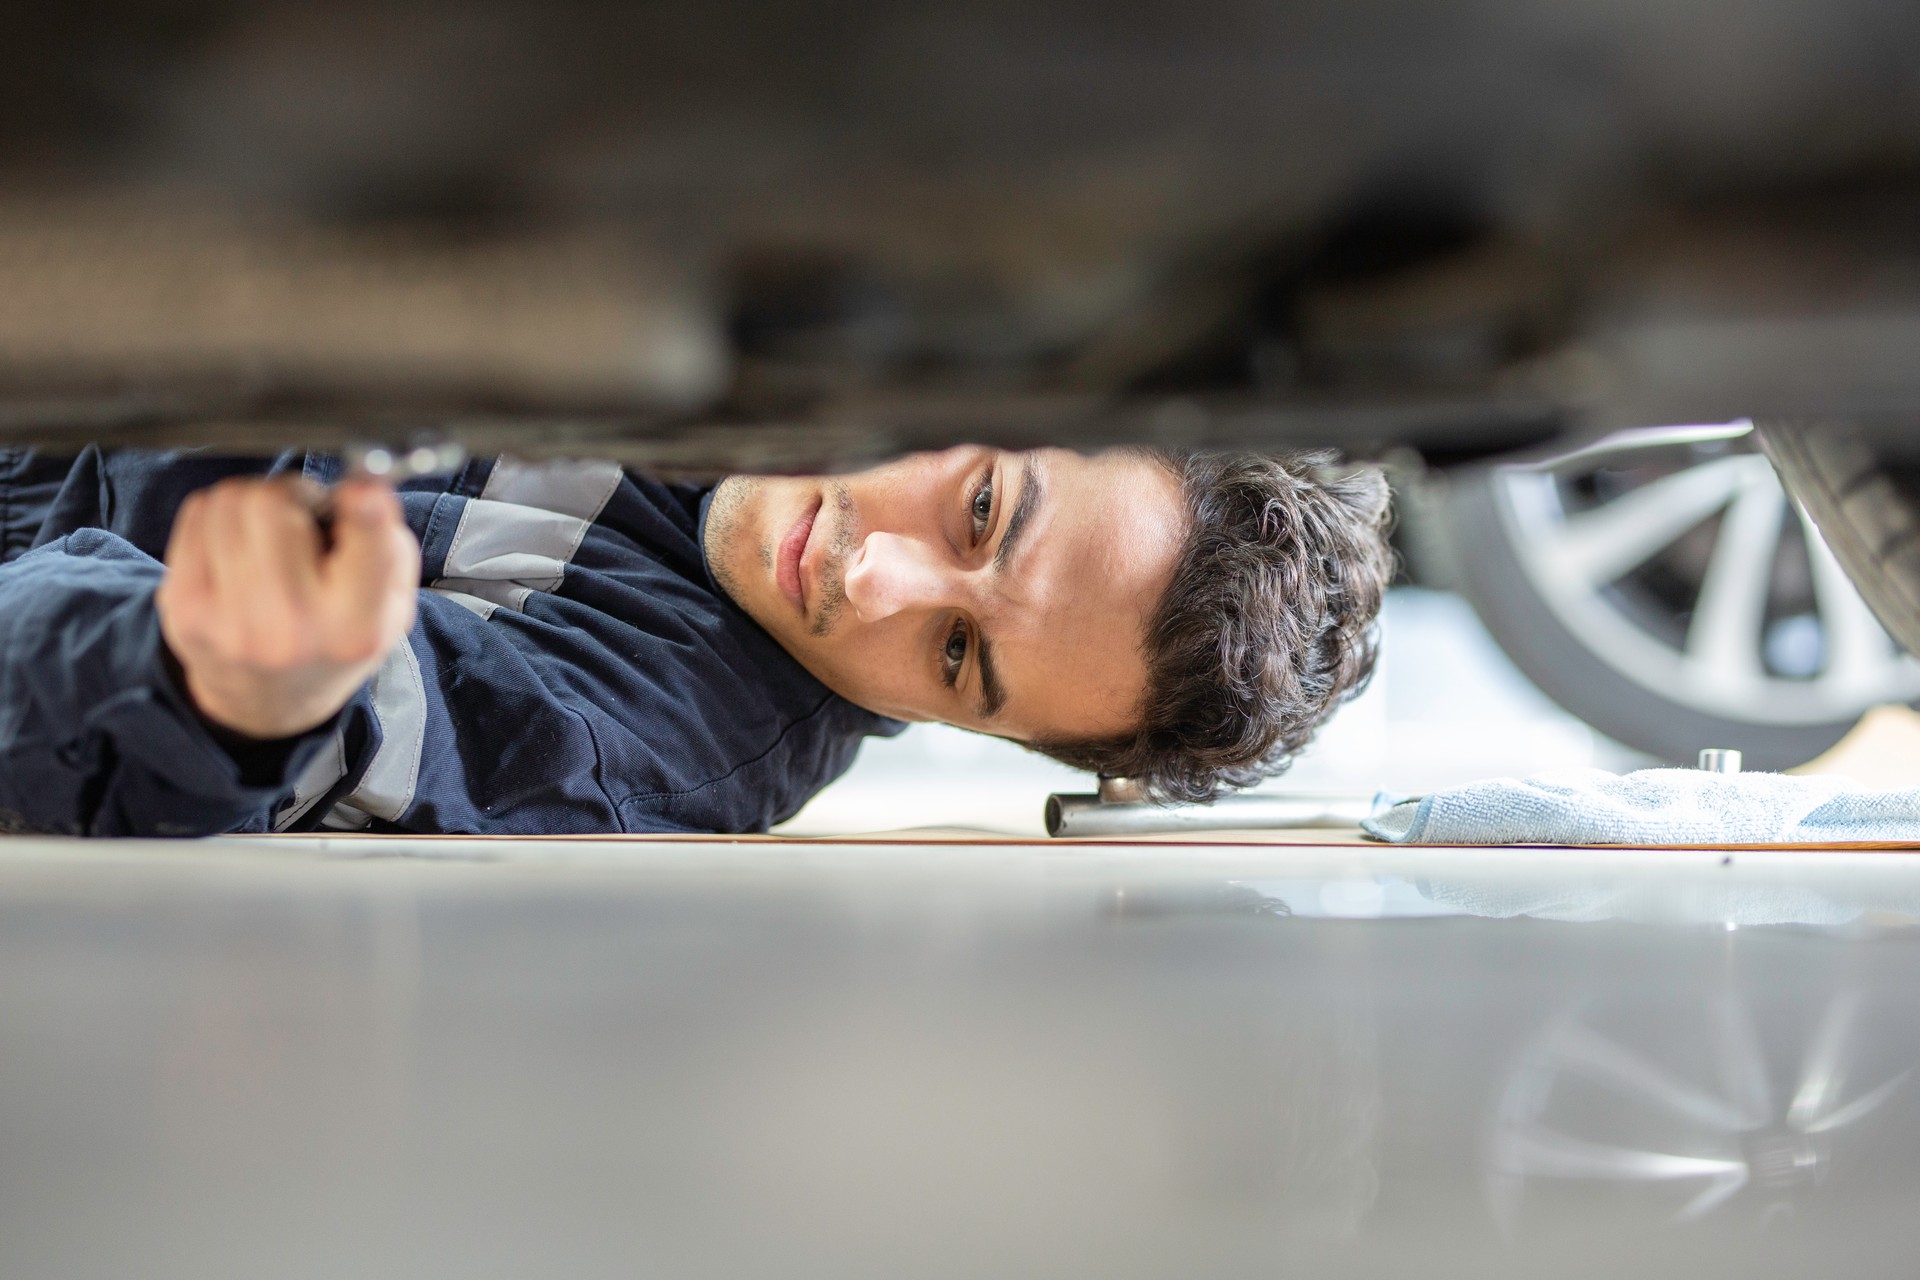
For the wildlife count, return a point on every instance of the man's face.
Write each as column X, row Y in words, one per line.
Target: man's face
column 1004, row 592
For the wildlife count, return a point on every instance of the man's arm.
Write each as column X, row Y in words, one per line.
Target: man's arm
column 106, row 728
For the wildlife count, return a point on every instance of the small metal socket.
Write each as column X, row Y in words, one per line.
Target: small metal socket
column 1720, row 760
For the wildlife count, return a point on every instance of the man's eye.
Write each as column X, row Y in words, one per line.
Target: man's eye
column 953, row 653
column 982, row 508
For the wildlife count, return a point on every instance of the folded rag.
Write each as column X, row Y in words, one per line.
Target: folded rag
column 1653, row 806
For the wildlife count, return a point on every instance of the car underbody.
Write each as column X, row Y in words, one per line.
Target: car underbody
column 780, row 237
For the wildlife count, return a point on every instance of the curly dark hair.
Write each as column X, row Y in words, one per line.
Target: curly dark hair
column 1267, row 628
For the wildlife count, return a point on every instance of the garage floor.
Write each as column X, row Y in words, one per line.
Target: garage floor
column 328, row 1057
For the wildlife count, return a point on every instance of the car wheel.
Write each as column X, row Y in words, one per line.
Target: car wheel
column 1661, row 585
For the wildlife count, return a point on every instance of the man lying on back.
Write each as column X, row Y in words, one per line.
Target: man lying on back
column 570, row 647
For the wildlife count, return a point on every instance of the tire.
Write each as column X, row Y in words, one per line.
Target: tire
column 1738, row 630
column 1867, row 506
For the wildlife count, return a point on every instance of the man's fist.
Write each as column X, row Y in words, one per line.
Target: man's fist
column 275, row 629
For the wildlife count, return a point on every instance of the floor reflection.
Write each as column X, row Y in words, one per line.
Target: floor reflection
column 1736, row 1134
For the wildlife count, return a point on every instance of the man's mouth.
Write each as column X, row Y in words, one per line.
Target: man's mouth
column 787, row 561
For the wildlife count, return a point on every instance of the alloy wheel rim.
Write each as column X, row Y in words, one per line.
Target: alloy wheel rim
column 1728, row 661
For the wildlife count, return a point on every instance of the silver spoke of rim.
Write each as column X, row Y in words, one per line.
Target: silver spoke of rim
column 1724, row 636
column 1586, row 1052
column 1597, row 547
column 1823, row 1073
column 1542, row 1153
column 1859, row 1108
column 1858, row 651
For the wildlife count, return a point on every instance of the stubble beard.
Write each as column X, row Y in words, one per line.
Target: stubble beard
column 833, row 570
column 731, row 500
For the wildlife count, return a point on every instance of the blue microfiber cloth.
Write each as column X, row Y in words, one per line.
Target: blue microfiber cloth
column 1653, row 806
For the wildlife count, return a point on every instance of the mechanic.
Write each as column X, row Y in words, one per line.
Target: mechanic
column 572, row 647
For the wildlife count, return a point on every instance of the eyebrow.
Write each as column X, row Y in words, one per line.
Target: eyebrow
column 993, row 694
column 1031, row 494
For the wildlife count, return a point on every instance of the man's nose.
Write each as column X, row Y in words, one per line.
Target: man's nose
column 893, row 574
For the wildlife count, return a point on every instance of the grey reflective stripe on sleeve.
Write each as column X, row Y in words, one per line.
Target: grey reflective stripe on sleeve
column 314, row 781
column 483, row 597
column 400, row 705
column 465, row 599
column 578, row 489
column 506, row 542
column 518, row 536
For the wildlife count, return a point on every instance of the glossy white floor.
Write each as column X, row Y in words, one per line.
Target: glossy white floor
column 492, row 1059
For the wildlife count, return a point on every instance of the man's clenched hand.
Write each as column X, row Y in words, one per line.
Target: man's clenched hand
column 274, row 629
